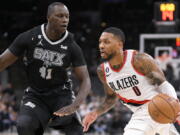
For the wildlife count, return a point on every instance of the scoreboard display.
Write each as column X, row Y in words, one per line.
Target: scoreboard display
column 166, row 12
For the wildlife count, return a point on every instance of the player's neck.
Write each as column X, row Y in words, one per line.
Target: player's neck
column 52, row 34
column 117, row 60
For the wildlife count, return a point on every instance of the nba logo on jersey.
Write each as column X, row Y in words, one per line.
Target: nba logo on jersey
column 107, row 69
column 39, row 36
column 63, row 47
column 30, row 104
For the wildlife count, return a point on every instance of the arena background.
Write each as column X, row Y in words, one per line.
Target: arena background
column 142, row 21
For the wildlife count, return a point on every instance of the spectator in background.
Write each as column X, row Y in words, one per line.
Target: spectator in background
column 8, row 109
column 163, row 59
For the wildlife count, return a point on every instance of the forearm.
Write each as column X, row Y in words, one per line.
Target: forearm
column 6, row 59
column 83, row 91
column 108, row 103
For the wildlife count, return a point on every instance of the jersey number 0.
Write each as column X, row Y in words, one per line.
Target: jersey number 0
column 136, row 90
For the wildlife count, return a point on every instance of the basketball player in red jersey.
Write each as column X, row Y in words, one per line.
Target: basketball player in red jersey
column 135, row 79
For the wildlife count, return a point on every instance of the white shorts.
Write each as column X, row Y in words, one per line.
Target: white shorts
column 142, row 124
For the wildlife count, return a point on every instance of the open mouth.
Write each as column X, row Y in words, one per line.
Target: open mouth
column 102, row 53
column 64, row 26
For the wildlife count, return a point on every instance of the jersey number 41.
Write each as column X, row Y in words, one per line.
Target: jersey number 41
column 45, row 73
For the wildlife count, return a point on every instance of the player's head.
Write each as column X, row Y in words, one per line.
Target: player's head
column 111, row 42
column 58, row 16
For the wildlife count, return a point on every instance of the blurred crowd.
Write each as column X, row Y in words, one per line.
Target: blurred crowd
column 8, row 109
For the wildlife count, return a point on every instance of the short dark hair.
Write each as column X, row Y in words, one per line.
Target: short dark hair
column 117, row 32
column 52, row 5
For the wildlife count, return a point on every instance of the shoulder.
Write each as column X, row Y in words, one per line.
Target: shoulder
column 74, row 46
column 21, row 37
column 100, row 72
column 142, row 58
column 70, row 41
column 144, row 63
column 30, row 32
column 70, row 37
column 35, row 30
column 99, row 69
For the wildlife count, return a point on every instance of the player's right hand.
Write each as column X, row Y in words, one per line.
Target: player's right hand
column 88, row 120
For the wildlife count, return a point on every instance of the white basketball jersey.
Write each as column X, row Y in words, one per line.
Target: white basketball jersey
column 132, row 87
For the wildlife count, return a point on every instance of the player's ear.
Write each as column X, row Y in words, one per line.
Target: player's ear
column 48, row 16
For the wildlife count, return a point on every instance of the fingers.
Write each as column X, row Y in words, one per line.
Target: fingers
column 86, row 124
column 86, row 127
column 87, row 121
column 60, row 114
column 64, row 112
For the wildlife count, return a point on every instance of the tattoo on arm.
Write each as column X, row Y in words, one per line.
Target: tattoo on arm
column 108, row 103
column 145, row 64
column 110, row 98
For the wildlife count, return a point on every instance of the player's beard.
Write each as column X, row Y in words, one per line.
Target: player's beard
column 108, row 58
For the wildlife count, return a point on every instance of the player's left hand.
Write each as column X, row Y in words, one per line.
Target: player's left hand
column 67, row 110
column 178, row 116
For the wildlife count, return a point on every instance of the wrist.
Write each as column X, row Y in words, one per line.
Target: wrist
column 168, row 89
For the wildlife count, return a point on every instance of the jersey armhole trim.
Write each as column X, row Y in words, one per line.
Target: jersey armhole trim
column 102, row 67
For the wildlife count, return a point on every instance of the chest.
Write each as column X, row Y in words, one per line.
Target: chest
column 41, row 51
column 122, row 81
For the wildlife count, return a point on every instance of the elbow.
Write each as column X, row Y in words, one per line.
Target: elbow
column 87, row 84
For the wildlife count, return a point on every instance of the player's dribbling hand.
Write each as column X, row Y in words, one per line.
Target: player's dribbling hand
column 178, row 116
column 67, row 110
column 88, row 120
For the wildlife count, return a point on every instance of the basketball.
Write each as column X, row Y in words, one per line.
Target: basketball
column 163, row 108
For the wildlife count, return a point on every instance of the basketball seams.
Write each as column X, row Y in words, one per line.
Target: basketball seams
column 150, row 110
column 161, row 111
column 169, row 104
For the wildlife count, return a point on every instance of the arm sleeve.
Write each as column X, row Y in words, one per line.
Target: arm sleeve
column 77, row 56
column 18, row 45
column 168, row 89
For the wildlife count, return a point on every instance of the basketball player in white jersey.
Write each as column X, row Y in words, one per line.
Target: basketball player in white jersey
column 135, row 79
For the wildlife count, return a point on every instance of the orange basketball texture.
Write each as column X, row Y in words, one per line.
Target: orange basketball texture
column 163, row 108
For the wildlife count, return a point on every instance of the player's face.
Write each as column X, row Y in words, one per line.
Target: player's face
column 59, row 18
column 108, row 45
